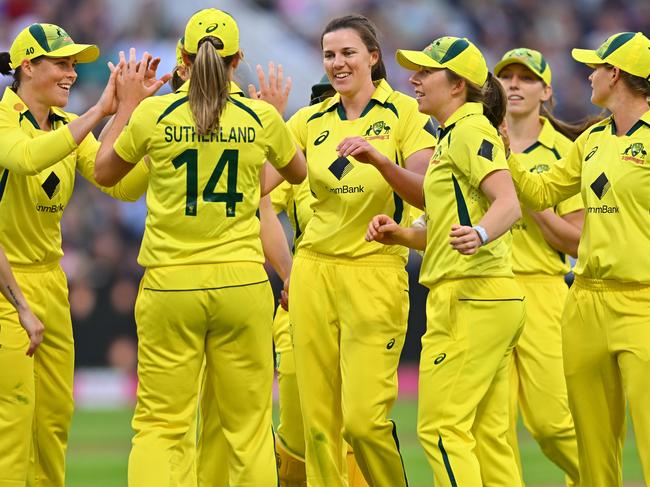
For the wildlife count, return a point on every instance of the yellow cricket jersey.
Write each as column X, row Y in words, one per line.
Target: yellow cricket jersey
column 295, row 200
column 37, row 173
column 531, row 254
column 348, row 194
column 204, row 190
column 612, row 174
column 469, row 148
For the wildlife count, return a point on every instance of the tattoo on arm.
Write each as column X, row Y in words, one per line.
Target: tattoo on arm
column 13, row 296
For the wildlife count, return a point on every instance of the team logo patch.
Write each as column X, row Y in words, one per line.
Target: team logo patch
column 51, row 185
column 341, row 167
column 435, row 159
column 634, row 150
column 486, row 150
column 440, row 358
column 377, row 130
column 601, row 186
column 540, row 168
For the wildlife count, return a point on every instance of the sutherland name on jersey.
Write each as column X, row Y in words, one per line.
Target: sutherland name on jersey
column 187, row 133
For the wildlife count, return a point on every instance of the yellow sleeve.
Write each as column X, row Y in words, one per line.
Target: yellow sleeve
column 477, row 151
column 133, row 142
column 416, row 130
column 280, row 147
column 298, row 127
column 574, row 203
column 24, row 155
column 280, row 197
column 130, row 188
column 543, row 190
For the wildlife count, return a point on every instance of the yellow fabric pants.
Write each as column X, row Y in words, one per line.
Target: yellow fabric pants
column 538, row 387
column 231, row 326
column 290, row 430
column 606, row 346
column 463, row 415
column 36, row 393
column 349, row 320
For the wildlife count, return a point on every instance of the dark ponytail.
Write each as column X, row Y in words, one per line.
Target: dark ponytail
column 570, row 130
column 492, row 96
column 210, row 85
column 368, row 34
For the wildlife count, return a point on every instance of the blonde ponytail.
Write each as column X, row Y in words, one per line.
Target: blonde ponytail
column 209, row 88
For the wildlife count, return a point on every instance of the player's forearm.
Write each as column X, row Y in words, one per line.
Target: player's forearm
column 503, row 212
column 274, row 240
column 412, row 237
column 557, row 232
column 10, row 289
column 108, row 170
column 407, row 184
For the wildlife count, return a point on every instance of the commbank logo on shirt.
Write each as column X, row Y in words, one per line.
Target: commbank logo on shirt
column 51, row 185
column 341, row 167
column 601, row 186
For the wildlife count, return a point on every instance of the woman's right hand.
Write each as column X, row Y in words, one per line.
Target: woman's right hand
column 33, row 327
column 135, row 80
column 385, row 230
column 107, row 102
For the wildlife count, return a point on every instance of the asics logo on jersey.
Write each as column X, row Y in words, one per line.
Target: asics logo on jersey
column 51, row 185
column 601, row 186
column 211, row 28
column 321, row 138
column 390, row 344
column 341, row 167
column 440, row 358
column 591, row 154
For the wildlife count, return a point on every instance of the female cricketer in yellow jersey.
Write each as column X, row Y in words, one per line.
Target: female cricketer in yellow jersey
column 541, row 243
column 202, row 254
column 605, row 333
column 475, row 309
column 340, row 326
column 41, row 148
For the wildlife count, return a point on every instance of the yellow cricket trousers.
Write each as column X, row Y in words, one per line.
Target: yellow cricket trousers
column 463, row 414
column 606, row 346
column 36, row 393
column 349, row 319
column 290, row 429
column 538, row 387
column 231, row 326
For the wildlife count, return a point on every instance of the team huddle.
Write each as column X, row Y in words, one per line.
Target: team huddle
column 497, row 198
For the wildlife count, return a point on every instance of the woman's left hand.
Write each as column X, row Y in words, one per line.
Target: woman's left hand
column 274, row 91
column 464, row 239
column 361, row 150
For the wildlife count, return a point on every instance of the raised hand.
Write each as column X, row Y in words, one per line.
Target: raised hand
column 275, row 91
column 136, row 80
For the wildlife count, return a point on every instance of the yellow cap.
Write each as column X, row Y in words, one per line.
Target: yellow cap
column 454, row 53
column 628, row 51
column 211, row 22
column 530, row 58
column 48, row 40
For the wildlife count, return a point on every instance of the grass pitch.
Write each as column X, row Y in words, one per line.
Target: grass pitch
column 100, row 442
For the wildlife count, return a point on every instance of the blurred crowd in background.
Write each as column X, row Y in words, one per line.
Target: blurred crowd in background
column 101, row 236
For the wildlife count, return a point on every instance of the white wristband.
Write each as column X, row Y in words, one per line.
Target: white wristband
column 482, row 234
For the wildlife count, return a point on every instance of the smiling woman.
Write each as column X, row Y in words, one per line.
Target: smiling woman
column 41, row 146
